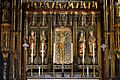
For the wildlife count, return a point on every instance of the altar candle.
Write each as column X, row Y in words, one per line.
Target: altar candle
column 54, row 54
column 71, row 53
column 87, row 71
column 42, row 52
column 39, row 70
column 83, row 52
column 93, row 53
column 32, row 54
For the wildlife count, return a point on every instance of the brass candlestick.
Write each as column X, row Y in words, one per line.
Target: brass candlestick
column 42, row 70
column 72, row 75
column 39, row 72
column 53, row 71
column 62, row 51
column 54, row 60
column 94, row 72
column 83, row 70
column 31, row 70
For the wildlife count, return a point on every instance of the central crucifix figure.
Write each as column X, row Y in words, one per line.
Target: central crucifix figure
column 62, row 38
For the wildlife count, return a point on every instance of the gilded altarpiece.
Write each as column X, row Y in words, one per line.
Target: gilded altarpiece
column 62, row 43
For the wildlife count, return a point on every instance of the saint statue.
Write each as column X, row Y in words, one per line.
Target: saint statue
column 33, row 40
column 81, row 44
column 43, row 41
column 91, row 42
column 32, row 45
column 5, row 12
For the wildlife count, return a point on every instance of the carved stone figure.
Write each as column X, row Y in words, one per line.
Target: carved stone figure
column 33, row 40
column 5, row 12
column 43, row 40
column 33, row 44
column 81, row 43
column 91, row 41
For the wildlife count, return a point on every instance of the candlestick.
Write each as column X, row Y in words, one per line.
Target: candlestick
column 54, row 54
column 94, row 59
column 87, row 71
column 93, row 53
column 42, row 52
column 42, row 57
column 39, row 71
column 72, row 60
column 83, row 52
column 83, row 59
column 71, row 52
column 32, row 53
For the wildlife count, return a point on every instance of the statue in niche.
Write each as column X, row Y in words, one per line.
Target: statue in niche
column 33, row 41
column 91, row 42
column 81, row 43
column 5, row 12
column 43, row 40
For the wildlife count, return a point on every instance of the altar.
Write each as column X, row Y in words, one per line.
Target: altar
column 59, row 39
column 62, row 79
column 61, row 44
